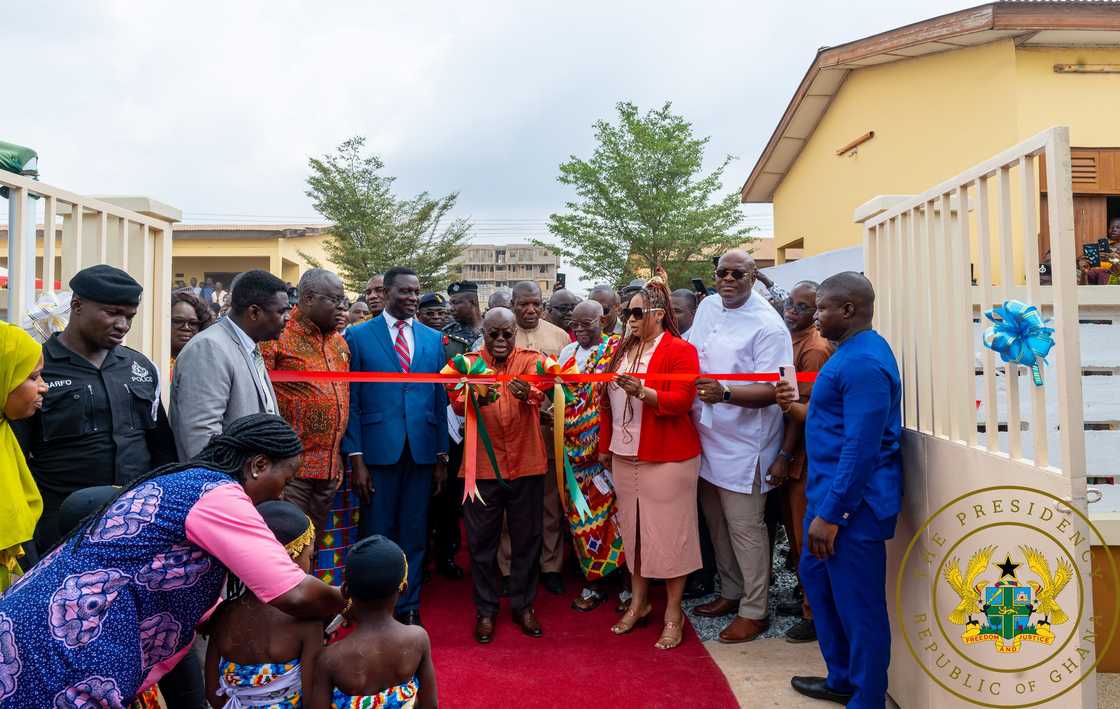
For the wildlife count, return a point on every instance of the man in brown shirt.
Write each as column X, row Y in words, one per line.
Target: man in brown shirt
column 513, row 424
column 810, row 351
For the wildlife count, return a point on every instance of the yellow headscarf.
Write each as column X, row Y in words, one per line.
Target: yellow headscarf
column 20, row 503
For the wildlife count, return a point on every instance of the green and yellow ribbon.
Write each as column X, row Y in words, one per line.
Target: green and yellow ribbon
column 562, row 394
column 475, row 428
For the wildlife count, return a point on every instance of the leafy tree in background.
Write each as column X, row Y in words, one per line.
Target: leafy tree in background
column 642, row 202
column 372, row 229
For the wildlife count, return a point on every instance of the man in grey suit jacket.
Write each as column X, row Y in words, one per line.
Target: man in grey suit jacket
column 220, row 375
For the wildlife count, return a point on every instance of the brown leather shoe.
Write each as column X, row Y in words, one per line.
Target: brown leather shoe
column 484, row 629
column 527, row 619
column 743, row 630
column 717, row 608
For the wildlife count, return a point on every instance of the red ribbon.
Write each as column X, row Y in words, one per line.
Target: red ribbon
column 287, row 375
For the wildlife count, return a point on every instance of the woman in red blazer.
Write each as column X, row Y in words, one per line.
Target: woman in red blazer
column 648, row 440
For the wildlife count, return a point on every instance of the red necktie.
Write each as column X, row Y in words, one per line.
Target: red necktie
column 401, row 347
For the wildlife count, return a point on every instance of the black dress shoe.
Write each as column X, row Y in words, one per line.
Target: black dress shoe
column 791, row 607
column 553, row 582
column 817, row 688
column 804, row 631
column 503, row 587
column 449, row 569
column 409, row 618
column 484, row 629
column 697, row 589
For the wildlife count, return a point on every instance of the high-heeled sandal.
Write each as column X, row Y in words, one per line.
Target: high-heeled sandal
column 671, row 635
column 630, row 620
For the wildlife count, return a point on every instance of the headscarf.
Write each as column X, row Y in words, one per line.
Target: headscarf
column 20, row 502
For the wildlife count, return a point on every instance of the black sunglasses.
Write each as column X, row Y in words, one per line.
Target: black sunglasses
column 636, row 313
column 735, row 273
column 500, row 334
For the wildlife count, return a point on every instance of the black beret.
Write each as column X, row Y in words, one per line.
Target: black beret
column 431, row 300
column 105, row 284
column 462, row 287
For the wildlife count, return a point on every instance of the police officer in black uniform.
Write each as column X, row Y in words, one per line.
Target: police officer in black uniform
column 102, row 422
column 458, row 336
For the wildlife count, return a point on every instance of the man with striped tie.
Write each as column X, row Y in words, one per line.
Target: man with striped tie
column 396, row 439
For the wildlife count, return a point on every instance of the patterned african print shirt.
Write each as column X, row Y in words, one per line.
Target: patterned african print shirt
column 318, row 411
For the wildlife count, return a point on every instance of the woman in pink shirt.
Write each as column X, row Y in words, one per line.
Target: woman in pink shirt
column 111, row 609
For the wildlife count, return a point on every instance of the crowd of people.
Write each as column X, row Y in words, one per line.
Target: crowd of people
column 293, row 523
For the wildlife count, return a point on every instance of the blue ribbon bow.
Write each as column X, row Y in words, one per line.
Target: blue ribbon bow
column 1019, row 335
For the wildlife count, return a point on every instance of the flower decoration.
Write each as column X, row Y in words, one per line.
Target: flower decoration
column 10, row 665
column 1020, row 336
column 91, row 692
column 181, row 566
column 128, row 514
column 486, row 392
column 159, row 638
column 78, row 608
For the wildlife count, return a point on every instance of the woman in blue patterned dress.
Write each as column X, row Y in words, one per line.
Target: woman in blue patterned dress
column 115, row 605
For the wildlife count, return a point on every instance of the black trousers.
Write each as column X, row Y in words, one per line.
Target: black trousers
column 523, row 506
column 447, row 508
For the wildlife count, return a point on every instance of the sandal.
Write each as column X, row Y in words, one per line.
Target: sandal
column 630, row 620
column 671, row 635
column 589, row 599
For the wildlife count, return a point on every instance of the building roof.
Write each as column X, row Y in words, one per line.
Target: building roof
column 1028, row 23
column 246, row 231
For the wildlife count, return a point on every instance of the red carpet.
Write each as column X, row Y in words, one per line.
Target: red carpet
column 578, row 662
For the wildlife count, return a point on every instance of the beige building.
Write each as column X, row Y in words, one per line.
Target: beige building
column 494, row 266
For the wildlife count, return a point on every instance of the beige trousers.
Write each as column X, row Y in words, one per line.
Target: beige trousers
column 742, row 546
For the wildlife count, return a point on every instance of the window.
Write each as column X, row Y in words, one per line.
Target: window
column 1096, row 195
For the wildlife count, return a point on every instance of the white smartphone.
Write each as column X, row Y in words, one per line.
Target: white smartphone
column 788, row 374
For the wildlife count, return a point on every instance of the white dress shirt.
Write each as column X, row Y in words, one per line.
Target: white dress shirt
column 258, row 361
column 739, row 440
column 408, row 337
column 581, row 354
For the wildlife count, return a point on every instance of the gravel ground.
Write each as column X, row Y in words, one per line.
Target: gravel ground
column 782, row 583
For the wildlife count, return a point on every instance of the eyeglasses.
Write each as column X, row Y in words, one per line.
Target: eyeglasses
column 799, row 308
column 736, row 273
column 636, row 313
column 335, row 300
column 500, row 334
column 588, row 324
column 567, row 308
column 185, row 324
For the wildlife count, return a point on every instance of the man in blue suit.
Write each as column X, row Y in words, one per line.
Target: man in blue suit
column 397, row 435
column 852, row 432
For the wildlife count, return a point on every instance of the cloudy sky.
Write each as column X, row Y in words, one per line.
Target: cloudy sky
column 214, row 107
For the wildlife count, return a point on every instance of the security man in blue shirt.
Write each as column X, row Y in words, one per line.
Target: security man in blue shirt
column 853, row 428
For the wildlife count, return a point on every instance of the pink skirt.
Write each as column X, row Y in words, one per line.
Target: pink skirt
column 661, row 498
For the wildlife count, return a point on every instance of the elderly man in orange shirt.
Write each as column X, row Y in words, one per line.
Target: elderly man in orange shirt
column 513, row 424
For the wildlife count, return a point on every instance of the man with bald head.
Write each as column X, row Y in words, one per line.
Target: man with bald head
column 607, row 297
column 512, row 422
column 318, row 411
column 854, row 425
column 500, row 298
column 598, row 540
column 740, row 437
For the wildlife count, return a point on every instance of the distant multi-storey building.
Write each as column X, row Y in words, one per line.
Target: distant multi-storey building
column 494, row 266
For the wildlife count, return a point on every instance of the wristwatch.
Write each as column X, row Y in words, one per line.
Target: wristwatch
column 787, row 456
column 726, row 393
column 442, row 457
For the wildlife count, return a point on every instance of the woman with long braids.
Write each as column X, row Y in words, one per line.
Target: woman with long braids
column 115, row 605
column 648, row 440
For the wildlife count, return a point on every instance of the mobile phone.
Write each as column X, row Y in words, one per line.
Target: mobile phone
column 561, row 280
column 1103, row 246
column 699, row 288
column 1093, row 253
column 788, row 375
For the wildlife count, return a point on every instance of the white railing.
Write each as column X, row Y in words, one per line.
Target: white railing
column 93, row 232
column 922, row 255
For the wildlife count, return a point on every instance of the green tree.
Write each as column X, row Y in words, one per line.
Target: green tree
column 372, row 229
column 642, row 201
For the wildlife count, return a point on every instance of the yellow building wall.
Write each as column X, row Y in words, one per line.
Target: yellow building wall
column 1088, row 103
column 283, row 257
column 933, row 117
